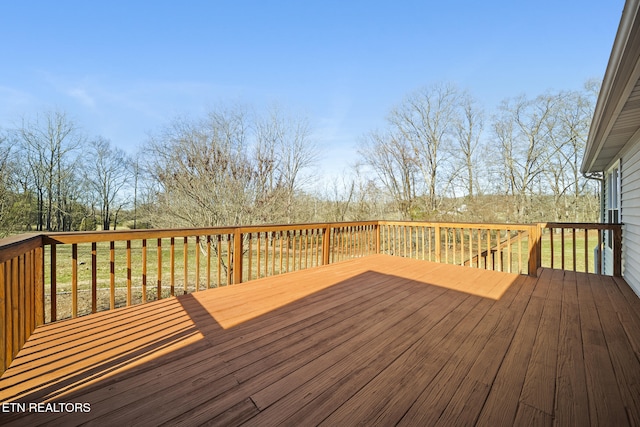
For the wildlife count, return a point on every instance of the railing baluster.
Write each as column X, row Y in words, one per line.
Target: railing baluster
column 266, row 254
column 144, row 270
column 316, row 234
column 454, row 245
column 470, row 247
column 39, row 279
column 185, row 263
column 28, row 295
column 159, row 264
column 112, row 274
column 499, row 249
column 250, row 244
column 438, row 243
column 306, row 249
column 172, row 265
column 229, row 259
column 562, row 249
column 13, row 307
column 573, row 233
column 519, row 252
column 600, row 249
column 300, row 250
column 53, row 278
column 508, row 251
column 94, row 277
column 21, row 314
column 479, row 248
column 273, row 253
column 219, row 261
column 551, row 235
column 74, row 280
column 586, row 250
column 280, row 241
column 208, row 261
column 129, row 273
column 197, row 249
column 288, row 247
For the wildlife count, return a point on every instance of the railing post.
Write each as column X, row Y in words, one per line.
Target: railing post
column 617, row 251
column 539, row 247
column 377, row 230
column 237, row 256
column 534, row 249
column 326, row 237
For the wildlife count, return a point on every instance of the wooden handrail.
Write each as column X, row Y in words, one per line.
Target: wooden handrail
column 230, row 255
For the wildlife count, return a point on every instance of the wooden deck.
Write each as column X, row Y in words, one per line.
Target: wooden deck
column 379, row 340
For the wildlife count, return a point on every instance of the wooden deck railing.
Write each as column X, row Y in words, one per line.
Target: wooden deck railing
column 501, row 247
column 54, row 276
column 570, row 246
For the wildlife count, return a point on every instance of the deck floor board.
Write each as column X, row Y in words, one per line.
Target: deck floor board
column 378, row 340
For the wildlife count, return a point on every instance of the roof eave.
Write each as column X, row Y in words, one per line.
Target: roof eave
column 617, row 77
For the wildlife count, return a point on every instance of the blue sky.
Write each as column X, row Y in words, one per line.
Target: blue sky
column 123, row 70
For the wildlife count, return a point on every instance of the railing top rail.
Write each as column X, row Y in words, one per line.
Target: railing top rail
column 511, row 226
column 120, row 235
column 583, row 225
column 13, row 246
column 303, row 226
column 54, row 238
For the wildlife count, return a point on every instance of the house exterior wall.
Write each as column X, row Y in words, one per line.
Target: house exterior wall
column 630, row 214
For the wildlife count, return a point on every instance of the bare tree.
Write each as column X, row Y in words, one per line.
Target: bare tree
column 574, row 112
column 467, row 132
column 283, row 150
column 49, row 143
column 523, row 129
column 107, row 172
column 426, row 120
column 137, row 173
column 203, row 172
column 392, row 159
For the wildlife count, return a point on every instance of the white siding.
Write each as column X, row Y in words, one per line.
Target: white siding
column 630, row 216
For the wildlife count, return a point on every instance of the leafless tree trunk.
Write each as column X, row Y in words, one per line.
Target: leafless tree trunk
column 393, row 161
column 426, row 120
column 49, row 143
column 283, row 151
column 523, row 129
column 228, row 169
column 108, row 174
column 468, row 130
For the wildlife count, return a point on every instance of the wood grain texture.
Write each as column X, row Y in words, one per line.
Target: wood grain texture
column 377, row 340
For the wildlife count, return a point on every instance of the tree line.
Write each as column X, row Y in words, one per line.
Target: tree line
column 438, row 156
column 54, row 178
